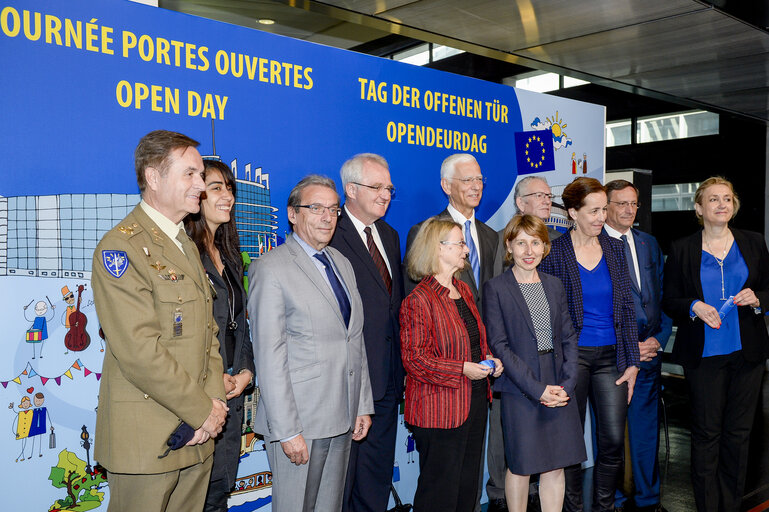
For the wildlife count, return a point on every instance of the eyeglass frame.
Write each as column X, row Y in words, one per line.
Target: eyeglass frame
column 319, row 209
column 482, row 179
column 624, row 204
column 460, row 243
column 378, row 188
column 539, row 195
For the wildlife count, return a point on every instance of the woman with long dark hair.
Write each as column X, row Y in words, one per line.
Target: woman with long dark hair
column 214, row 232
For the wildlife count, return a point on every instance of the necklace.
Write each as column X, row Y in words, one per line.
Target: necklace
column 720, row 262
column 232, row 324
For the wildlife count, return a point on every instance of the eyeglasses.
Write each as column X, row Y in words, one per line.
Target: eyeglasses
column 318, row 209
column 540, row 195
column 378, row 188
column 471, row 179
column 625, row 204
column 460, row 243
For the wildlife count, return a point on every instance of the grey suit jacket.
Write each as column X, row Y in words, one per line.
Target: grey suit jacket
column 311, row 368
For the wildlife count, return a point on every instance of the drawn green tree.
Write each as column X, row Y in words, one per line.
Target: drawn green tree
column 82, row 487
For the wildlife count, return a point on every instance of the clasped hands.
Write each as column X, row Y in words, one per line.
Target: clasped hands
column 554, row 396
column 213, row 424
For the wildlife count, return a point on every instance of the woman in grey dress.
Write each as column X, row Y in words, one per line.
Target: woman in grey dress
column 529, row 329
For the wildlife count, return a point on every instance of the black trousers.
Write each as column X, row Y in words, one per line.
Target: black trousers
column 723, row 391
column 449, row 461
column 596, row 375
column 370, row 471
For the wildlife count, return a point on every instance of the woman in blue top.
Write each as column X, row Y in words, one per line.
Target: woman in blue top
column 716, row 282
column 593, row 269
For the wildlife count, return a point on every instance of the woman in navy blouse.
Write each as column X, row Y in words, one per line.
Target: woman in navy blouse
column 716, row 282
column 593, row 269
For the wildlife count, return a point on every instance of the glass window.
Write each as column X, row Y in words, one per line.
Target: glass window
column 537, row 82
column 679, row 125
column 618, row 133
column 674, row 197
column 572, row 82
column 441, row 52
column 418, row 55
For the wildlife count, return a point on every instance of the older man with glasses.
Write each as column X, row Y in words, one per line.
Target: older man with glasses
column 306, row 319
column 533, row 197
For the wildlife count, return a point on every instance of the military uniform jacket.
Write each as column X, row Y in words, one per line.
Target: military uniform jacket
column 162, row 362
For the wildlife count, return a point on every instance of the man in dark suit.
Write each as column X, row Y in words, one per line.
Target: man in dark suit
column 462, row 182
column 373, row 248
column 645, row 264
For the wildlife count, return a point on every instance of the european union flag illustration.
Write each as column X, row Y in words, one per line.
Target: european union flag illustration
column 534, row 151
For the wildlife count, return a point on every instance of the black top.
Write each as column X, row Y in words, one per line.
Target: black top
column 471, row 324
column 234, row 309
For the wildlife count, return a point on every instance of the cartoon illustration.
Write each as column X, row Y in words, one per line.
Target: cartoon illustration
column 584, row 163
column 22, row 424
column 77, row 338
column 38, row 332
column 574, row 163
column 556, row 127
column 31, row 424
column 40, row 418
column 410, row 448
column 69, row 299
column 82, row 486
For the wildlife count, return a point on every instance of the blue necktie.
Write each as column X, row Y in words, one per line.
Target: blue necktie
column 629, row 258
column 473, row 255
column 336, row 287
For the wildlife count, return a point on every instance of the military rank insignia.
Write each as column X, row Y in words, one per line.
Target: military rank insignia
column 115, row 262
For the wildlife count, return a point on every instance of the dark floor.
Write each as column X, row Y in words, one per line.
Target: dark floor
column 674, row 464
column 676, row 484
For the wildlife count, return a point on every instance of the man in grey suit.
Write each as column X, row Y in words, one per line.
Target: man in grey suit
column 307, row 328
column 462, row 182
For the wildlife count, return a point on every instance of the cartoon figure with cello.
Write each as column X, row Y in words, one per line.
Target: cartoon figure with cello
column 77, row 337
column 38, row 332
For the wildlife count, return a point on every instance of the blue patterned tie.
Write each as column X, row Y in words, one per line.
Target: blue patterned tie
column 336, row 287
column 473, row 255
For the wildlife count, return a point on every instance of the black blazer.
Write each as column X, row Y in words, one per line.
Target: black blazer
column 490, row 249
column 381, row 332
column 512, row 338
column 227, row 449
column 682, row 286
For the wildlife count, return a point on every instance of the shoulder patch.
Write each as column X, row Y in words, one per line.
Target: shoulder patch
column 115, row 262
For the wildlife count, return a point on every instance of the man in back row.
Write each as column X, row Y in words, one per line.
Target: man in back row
column 373, row 248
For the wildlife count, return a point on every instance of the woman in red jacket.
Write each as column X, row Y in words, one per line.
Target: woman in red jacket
column 443, row 343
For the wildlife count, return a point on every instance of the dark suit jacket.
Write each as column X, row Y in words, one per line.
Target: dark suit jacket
column 381, row 331
column 491, row 253
column 562, row 263
column 651, row 320
column 683, row 286
column 435, row 347
column 227, row 448
column 512, row 337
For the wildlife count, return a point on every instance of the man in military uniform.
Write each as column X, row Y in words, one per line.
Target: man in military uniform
column 162, row 365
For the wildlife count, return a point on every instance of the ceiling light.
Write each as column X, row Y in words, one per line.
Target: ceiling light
column 266, row 21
